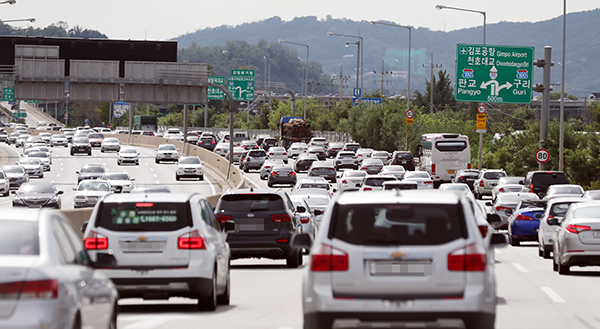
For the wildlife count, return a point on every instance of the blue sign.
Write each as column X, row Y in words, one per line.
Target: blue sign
column 357, row 93
column 86, row 121
column 371, row 100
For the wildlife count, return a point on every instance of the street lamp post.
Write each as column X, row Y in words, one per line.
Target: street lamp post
column 305, row 71
column 409, row 28
column 357, row 43
column 31, row 20
column 440, row 7
column 361, row 46
column 562, row 93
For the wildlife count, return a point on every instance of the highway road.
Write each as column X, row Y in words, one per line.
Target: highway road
column 266, row 294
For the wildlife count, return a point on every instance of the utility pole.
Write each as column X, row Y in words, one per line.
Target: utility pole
column 431, row 66
column 545, row 89
column 383, row 73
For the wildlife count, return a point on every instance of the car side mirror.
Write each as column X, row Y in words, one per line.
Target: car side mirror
column 74, row 189
column 132, row 179
column 318, row 212
column 334, row 190
column 499, row 240
column 494, row 219
column 60, row 192
column 521, row 182
column 553, row 221
column 84, row 227
column 357, row 185
column 302, row 240
column 300, row 209
column 538, row 215
column 105, row 260
column 488, row 204
column 77, row 172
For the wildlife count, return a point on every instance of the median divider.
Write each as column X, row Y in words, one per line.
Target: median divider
column 214, row 163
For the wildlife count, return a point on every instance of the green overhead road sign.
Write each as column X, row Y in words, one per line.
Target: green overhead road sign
column 33, row 102
column 216, row 93
column 8, row 94
column 19, row 115
column 494, row 74
column 241, row 85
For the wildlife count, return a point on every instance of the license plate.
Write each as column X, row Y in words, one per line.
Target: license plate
column 249, row 224
column 451, row 171
column 596, row 234
column 418, row 268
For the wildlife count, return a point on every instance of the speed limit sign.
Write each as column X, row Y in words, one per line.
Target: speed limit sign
column 542, row 155
column 481, row 109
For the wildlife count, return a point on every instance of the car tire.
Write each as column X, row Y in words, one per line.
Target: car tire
column 300, row 258
column 118, row 163
column 269, row 184
column 201, row 178
column 514, row 241
column 101, row 150
column 540, row 252
column 77, row 321
column 90, row 153
column 156, row 161
column 209, row 303
column 564, row 269
column 546, row 252
column 113, row 317
column 224, row 298
column 554, row 265
column 41, row 176
column 334, row 180
column 292, row 260
column 72, row 154
column 177, row 178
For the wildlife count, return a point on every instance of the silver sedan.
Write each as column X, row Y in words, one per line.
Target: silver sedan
column 577, row 239
column 48, row 279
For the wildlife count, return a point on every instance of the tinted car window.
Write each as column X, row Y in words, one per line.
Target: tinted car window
column 451, row 146
column 494, row 175
column 191, row 160
column 144, row 216
column 559, row 209
column 543, row 180
column 257, row 154
column 406, row 156
column 250, row 202
column 92, row 169
column 19, row 238
column 398, row 224
column 378, row 181
column 35, row 189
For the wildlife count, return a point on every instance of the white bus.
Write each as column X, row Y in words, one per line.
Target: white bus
column 442, row 155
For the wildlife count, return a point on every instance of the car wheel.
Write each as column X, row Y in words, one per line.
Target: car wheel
column 77, row 322
column 137, row 163
column 564, row 269
column 41, row 176
column 246, row 169
column 118, row 163
column 156, row 161
column 540, row 252
column 300, row 258
column 546, row 252
column 201, row 178
column 209, row 303
column 101, row 150
column 269, row 184
column 514, row 241
column 225, row 297
column 72, row 153
column 113, row 317
column 293, row 261
column 334, row 180
column 554, row 265
column 177, row 177
column 90, row 153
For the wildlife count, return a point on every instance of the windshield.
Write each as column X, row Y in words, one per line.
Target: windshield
column 315, row 185
column 168, row 147
column 58, row 136
column 144, row 216
column 510, row 180
column 417, row 175
column 587, row 212
column 111, row 140
column 378, row 181
column 393, row 168
column 355, row 173
column 250, row 202
column 132, row 151
column 13, row 169
column 37, row 155
column 316, row 201
column 455, row 146
column 568, row 190
column 36, row 189
column 190, row 160
column 494, row 175
column 81, row 140
column 29, row 162
column 505, row 198
column 19, row 238
column 398, row 224
column 96, row 136
column 90, row 185
column 92, row 169
column 116, row 176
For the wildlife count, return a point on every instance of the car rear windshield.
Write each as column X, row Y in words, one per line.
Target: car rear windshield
column 455, row 146
column 559, row 209
column 494, row 175
column 398, row 224
column 19, row 238
column 144, row 216
column 378, row 181
column 543, row 180
column 406, row 156
column 250, row 202
column 257, row 154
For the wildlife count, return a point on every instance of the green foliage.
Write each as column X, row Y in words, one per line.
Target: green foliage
column 443, row 94
column 555, row 96
column 56, row 30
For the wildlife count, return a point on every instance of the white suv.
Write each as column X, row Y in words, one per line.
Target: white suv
column 165, row 245
column 404, row 259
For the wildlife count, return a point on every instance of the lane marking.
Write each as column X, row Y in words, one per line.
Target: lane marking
column 553, row 295
column 151, row 169
column 520, row 267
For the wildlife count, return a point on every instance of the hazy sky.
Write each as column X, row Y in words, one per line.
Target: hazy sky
column 162, row 20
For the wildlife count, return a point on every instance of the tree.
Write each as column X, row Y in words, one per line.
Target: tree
column 443, row 94
column 555, row 96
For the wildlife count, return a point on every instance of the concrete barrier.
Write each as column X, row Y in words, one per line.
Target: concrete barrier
column 213, row 163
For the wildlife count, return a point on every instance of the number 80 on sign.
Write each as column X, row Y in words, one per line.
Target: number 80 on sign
column 542, row 155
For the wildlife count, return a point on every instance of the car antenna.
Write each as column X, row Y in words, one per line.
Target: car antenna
column 251, row 189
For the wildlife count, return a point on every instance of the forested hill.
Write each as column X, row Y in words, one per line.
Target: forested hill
column 583, row 44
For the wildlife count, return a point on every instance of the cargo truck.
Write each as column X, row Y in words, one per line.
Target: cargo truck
column 292, row 130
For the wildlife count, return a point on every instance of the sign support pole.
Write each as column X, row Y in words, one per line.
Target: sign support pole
column 185, row 127
column 206, row 114
column 545, row 115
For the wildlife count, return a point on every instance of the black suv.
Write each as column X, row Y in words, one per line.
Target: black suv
column 538, row 181
column 260, row 223
column 467, row 176
column 404, row 159
column 81, row 145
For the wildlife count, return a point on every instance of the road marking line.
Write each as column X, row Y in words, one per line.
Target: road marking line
column 151, row 169
column 520, row 268
column 553, row 295
column 157, row 181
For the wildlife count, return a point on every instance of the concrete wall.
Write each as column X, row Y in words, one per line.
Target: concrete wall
column 213, row 163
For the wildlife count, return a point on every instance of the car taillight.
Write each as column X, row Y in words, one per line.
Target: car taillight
column 531, row 188
column 212, row 142
column 40, row 289
column 367, row 189
column 328, row 258
column 281, row 218
column 428, row 182
column 501, row 189
column 469, row 259
column 274, row 173
column 344, row 181
column 577, row 228
column 364, row 168
column 468, row 166
column 433, row 169
column 523, row 217
column 304, row 220
column 483, row 229
column 223, row 218
column 95, row 241
column 191, row 240
column 380, row 168
column 461, row 177
column 498, row 208
column 271, row 153
column 481, row 183
column 284, row 153
column 267, row 167
column 293, row 173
